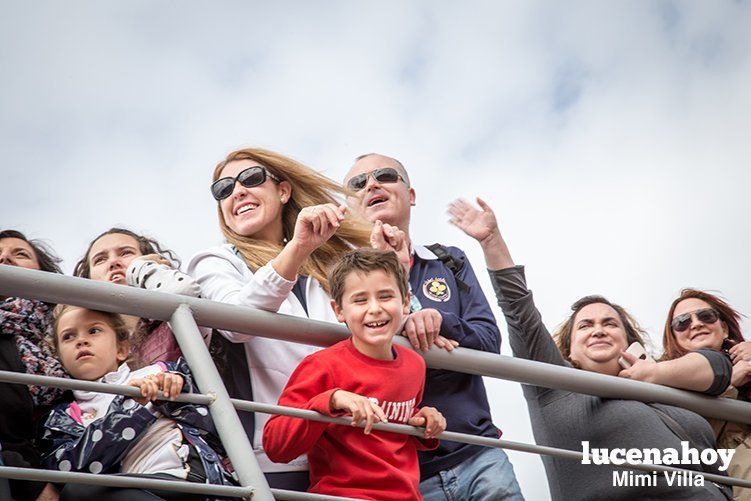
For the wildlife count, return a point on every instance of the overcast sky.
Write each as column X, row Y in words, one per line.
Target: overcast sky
column 612, row 138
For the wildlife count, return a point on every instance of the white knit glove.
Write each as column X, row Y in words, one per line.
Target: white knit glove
column 147, row 274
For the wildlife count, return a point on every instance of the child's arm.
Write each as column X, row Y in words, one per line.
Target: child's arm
column 310, row 387
column 361, row 408
column 98, row 447
column 434, row 424
column 178, row 379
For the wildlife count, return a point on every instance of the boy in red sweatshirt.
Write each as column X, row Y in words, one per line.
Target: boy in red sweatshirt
column 364, row 376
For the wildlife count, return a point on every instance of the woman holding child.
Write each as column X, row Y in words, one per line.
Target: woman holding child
column 594, row 338
column 700, row 320
column 284, row 229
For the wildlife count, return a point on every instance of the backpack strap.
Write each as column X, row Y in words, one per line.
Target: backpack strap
column 452, row 263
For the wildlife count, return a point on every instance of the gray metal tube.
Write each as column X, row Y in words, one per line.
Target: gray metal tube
column 227, row 422
column 77, row 384
column 283, row 495
column 246, row 405
column 15, row 281
column 122, row 481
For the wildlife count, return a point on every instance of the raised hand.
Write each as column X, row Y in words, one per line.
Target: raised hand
column 316, row 224
column 478, row 224
column 387, row 237
column 482, row 226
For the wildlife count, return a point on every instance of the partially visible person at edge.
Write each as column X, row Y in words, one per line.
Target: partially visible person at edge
column 449, row 309
column 593, row 338
column 122, row 257
column 696, row 320
column 284, row 229
column 23, row 326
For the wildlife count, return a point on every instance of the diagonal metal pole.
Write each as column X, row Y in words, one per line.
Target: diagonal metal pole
column 227, row 422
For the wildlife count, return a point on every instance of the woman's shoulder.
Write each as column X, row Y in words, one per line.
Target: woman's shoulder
column 224, row 252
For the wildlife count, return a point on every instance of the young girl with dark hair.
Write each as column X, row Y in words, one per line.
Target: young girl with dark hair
column 23, row 325
column 106, row 433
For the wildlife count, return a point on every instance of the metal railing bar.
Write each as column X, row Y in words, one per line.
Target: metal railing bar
column 248, row 406
column 16, row 281
column 498, row 443
column 227, row 422
column 77, row 384
column 284, row 495
column 122, row 481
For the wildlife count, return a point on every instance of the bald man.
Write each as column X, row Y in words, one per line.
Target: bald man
column 448, row 306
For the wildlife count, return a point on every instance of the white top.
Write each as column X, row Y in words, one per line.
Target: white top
column 225, row 277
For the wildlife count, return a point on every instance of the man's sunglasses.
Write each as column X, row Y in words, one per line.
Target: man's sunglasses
column 683, row 322
column 382, row 175
column 250, row 177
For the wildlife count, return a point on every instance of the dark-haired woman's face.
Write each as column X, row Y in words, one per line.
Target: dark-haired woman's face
column 17, row 252
column 597, row 338
column 698, row 334
column 110, row 257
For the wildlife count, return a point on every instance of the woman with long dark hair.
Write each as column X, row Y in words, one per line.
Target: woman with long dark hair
column 701, row 320
column 23, row 327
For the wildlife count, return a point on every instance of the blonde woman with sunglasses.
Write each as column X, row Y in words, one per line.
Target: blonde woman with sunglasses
column 698, row 319
column 284, row 228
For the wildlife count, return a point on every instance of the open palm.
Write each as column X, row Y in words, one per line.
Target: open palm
column 478, row 224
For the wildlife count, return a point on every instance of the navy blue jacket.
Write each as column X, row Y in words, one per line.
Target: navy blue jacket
column 101, row 446
column 468, row 319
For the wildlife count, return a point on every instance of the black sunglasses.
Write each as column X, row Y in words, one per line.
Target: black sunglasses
column 250, row 177
column 382, row 175
column 683, row 322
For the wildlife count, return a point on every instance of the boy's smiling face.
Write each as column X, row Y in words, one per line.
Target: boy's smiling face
column 373, row 309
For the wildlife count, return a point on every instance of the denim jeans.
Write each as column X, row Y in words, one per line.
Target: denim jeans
column 485, row 476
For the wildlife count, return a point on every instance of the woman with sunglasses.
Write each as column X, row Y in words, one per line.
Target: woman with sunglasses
column 700, row 320
column 283, row 228
column 23, row 326
column 121, row 256
column 593, row 338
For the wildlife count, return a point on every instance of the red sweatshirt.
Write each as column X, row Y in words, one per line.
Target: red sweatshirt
column 343, row 460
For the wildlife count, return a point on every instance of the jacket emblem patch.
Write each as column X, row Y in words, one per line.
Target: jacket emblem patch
column 436, row 289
